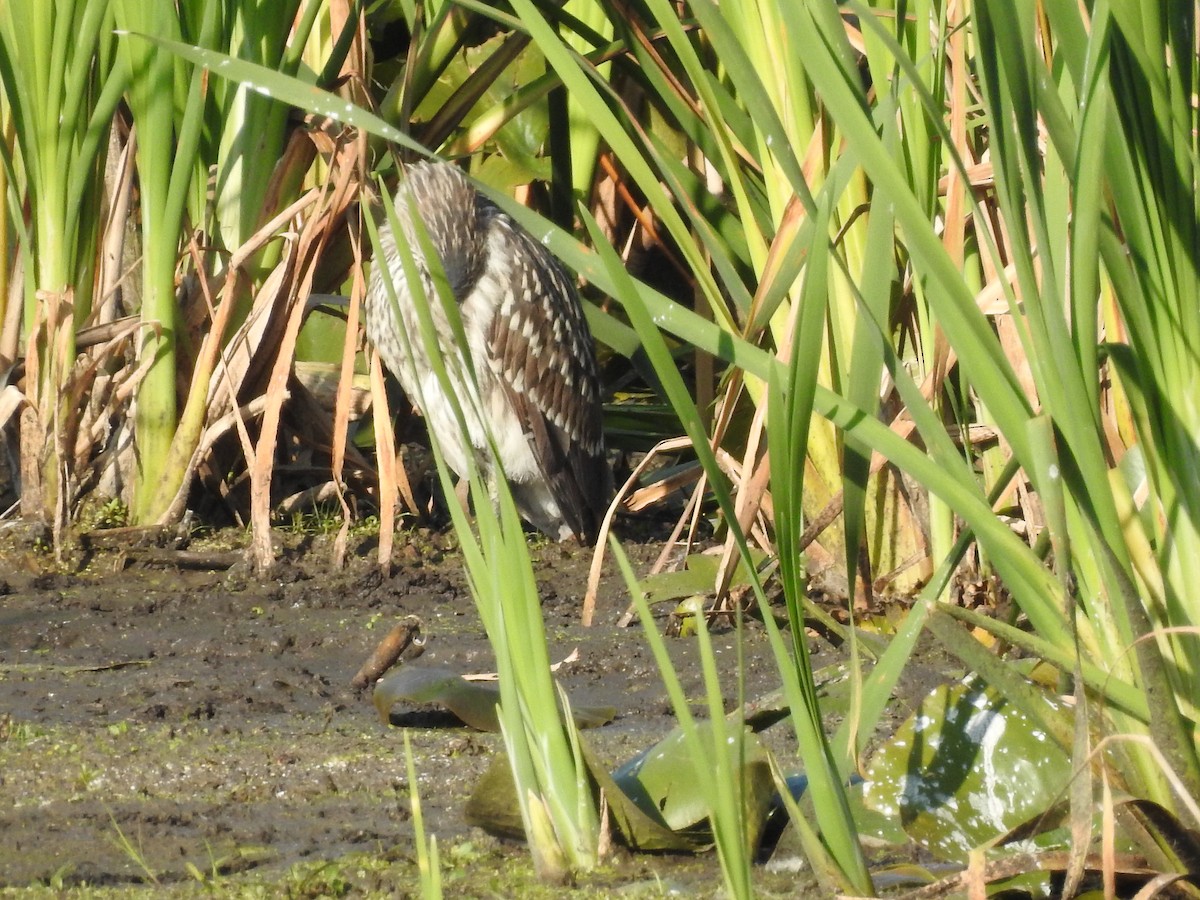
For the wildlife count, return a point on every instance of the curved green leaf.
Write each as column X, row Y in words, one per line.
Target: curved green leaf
column 966, row 767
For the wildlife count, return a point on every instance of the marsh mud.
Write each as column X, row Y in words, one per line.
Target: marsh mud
column 193, row 729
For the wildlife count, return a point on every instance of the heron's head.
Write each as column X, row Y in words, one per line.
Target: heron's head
column 448, row 207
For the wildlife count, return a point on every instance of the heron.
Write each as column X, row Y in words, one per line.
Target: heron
column 536, row 384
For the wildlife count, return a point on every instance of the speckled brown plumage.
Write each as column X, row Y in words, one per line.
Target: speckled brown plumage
column 528, row 342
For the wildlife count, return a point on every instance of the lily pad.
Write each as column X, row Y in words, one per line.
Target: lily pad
column 966, row 768
column 474, row 703
column 698, row 577
column 655, row 801
column 493, row 807
column 663, row 784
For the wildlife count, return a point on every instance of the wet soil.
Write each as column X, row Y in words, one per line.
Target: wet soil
column 194, row 730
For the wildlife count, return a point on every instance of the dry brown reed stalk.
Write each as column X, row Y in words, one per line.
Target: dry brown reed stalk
column 342, row 401
column 11, row 268
column 220, row 372
column 354, row 74
column 751, row 499
column 103, row 384
column 387, row 463
column 10, row 322
column 75, row 424
column 113, row 269
column 631, row 500
column 302, row 256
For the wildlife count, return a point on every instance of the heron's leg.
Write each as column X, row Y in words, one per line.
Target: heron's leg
column 462, row 494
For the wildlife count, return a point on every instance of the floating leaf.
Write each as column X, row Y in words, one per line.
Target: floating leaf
column 663, row 783
column 493, row 807
column 654, row 801
column 474, row 703
column 965, row 768
column 666, row 586
column 698, row 577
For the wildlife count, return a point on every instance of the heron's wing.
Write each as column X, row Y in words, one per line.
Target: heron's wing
column 541, row 353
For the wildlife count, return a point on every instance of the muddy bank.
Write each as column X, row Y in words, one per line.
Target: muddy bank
column 197, row 728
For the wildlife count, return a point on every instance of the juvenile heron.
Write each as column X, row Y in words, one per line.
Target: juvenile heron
column 529, row 344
